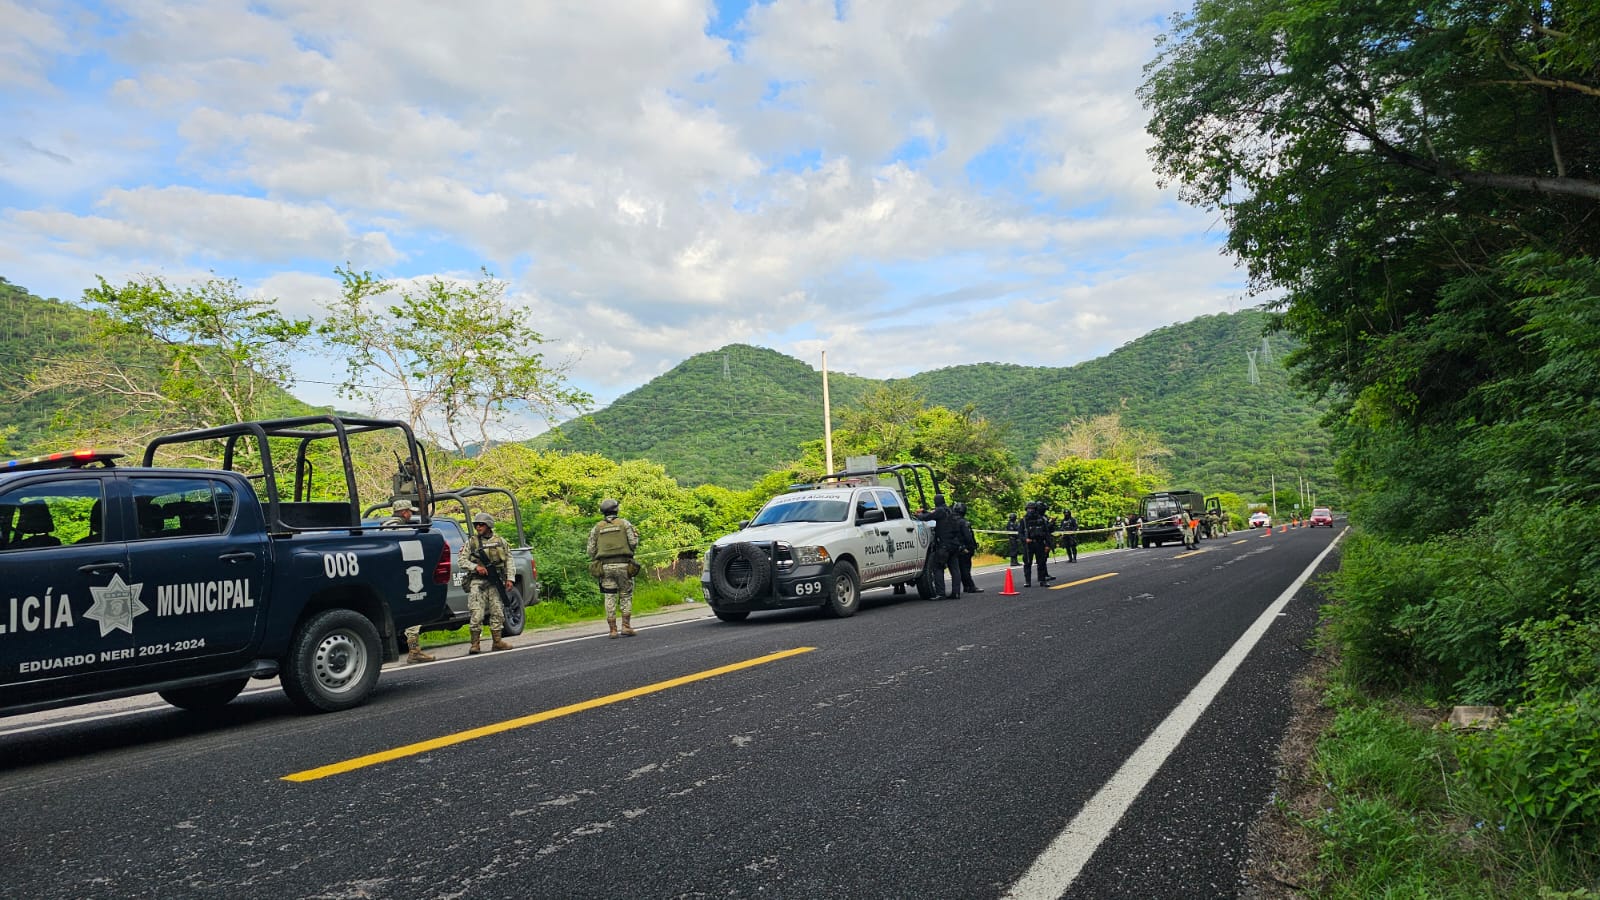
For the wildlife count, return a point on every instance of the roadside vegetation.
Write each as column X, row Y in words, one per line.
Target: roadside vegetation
column 1419, row 185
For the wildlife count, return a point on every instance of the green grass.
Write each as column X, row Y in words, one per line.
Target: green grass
column 1398, row 820
column 648, row 595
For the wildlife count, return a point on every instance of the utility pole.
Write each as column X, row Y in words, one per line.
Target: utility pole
column 827, row 417
column 1274, row 497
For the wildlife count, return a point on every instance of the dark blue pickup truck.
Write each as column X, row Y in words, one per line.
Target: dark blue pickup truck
column 118, row 580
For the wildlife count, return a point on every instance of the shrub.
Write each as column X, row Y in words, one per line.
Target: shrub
column 1370, row 593
column 559, row 547
column 1563, row 656
column 1542, row 765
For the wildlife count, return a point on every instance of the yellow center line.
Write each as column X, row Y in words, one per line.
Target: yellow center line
column 1192, row 553
column 1237, row 543
column 1057, row 587
column 462, row 737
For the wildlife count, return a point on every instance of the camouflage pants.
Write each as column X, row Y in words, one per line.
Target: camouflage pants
column 616, row 586
column 482, row 595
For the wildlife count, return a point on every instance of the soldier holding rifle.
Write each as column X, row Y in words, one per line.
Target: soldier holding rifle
column 486, row 559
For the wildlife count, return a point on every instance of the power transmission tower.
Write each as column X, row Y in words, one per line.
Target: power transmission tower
column 1266, row 351
column 1255, row 377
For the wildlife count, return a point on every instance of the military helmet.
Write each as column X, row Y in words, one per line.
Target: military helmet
column 483, row 518
column 959, row 509
column 608, row 506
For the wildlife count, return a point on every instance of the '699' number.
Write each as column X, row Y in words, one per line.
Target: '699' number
column 807, row 588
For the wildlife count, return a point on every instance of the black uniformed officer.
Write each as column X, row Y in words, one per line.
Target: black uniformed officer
column 1015, row 528
column 1069, row 540
column 1036, row 535
column 944, row 554
column 969, row 546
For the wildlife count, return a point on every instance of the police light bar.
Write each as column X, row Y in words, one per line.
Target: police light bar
column 69, row 459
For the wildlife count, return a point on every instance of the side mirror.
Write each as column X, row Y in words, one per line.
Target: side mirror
column 743, row 524
column 869, row 516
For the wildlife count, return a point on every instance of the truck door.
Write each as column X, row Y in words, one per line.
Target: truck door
column 875, row 547
column 200, row 551
column 67, row 613
column 909, row 545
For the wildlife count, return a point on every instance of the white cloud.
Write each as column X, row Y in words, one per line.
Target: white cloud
column 29, row 39
column 908, row 172
column 228, row 226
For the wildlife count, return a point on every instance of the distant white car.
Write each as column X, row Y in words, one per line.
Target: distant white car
column 1260, row 520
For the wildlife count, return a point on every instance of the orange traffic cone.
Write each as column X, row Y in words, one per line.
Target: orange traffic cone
column 1010, row 590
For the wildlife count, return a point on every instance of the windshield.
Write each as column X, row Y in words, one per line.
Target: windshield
column 816, row 509
column 1160, row 507
column 1322, row 511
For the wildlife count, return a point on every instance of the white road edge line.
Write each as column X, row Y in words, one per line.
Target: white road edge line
column 1059, row 865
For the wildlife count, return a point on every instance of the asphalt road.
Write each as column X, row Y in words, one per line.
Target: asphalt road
column 972, row 748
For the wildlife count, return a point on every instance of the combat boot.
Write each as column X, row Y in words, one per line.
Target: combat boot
column 416, row 655
column 627, row 630
column 476, row 633
column 498, row 644
column 611, row 623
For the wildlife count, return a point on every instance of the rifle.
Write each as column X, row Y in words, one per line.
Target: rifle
column 496, row 574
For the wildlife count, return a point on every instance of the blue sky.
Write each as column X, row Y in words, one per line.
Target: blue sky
column 960, row 181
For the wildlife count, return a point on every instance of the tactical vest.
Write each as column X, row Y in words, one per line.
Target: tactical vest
column 1038, row 526
column 611, row 540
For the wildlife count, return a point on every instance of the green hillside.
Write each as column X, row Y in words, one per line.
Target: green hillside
column 34, row 331
column 1188, row 383
column 728, row 416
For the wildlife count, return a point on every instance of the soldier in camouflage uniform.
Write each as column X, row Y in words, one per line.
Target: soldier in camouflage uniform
column 612, row 542
column 404, row 514
column 482, row 595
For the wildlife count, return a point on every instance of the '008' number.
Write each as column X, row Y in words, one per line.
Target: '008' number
column 807, row 588
column 340, row 565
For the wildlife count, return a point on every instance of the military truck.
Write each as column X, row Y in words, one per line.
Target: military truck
column 822, row 544
column 1162, row 512
column 119, row 580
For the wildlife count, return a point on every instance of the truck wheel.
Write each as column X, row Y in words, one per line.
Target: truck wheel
column 205, row 697
column 731, row 615
column 741, row 572
column 516, row 614
column 927, row 588
column 846, row 591
column 333, row 661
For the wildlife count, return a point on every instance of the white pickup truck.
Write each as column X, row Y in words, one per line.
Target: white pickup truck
column 823, row 544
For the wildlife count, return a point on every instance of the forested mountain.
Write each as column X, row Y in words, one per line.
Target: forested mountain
column 35, row 332
column 728, row 416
